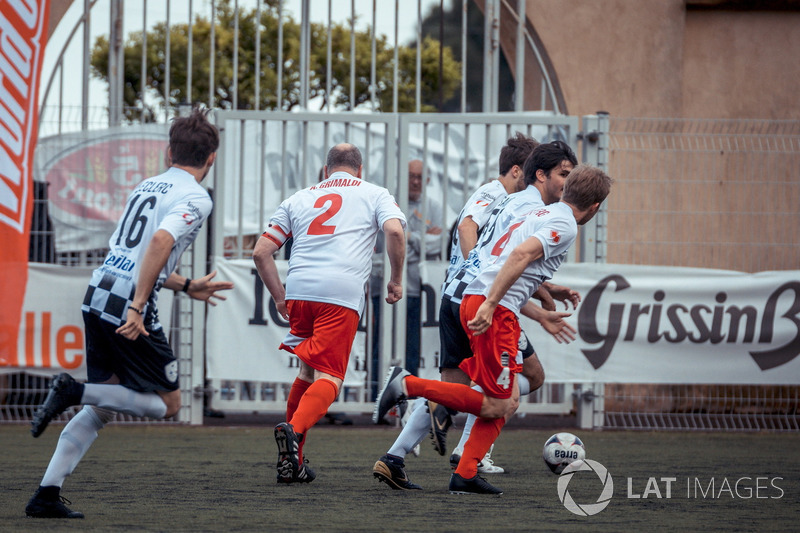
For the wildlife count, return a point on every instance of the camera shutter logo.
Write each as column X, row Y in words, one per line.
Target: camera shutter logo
column 585, row 509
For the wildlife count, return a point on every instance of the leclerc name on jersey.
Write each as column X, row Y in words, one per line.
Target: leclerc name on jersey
column 338, row 182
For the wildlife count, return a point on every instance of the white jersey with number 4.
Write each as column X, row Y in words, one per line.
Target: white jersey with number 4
column 555, row 227
column 334, row 225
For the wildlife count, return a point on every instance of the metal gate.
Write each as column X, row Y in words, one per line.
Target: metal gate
column 265, row 157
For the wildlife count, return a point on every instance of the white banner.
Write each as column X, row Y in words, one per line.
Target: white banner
column 244, row 332
column 637, row 324
column 51, row 337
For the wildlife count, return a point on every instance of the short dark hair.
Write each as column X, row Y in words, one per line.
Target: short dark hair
column 515, row 152
column 546, row 157
column 586, row 185
column 344, row 155
column 192, row 139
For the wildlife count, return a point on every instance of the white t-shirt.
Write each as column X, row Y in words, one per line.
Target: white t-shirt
column 555, row 227
column 172, row 201
column 479, row 206
column 334, row 225
column 513, row 209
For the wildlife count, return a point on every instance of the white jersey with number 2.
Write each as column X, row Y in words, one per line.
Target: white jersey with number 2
column 334, row 225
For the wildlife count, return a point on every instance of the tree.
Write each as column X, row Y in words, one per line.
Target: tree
column 267, row 70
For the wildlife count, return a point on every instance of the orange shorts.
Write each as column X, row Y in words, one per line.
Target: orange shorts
column 494, row 363
column 326, row 332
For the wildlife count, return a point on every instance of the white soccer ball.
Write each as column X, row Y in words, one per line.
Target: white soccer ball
column 562, row 449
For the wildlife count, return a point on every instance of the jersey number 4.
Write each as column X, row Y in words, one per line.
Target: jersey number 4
column 318, row 226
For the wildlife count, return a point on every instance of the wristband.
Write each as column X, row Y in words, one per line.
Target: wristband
column 132, row 308
column 186, row 285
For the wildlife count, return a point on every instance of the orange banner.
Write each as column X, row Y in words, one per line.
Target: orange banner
column 23, row 35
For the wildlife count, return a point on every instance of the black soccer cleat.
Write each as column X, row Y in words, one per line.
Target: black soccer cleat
column 391, row 393
column 304, row 475
column 440, row 423
column 474, row 485
column 48, row 503
column 393, row 473
column 64, row 392
column 288, row 453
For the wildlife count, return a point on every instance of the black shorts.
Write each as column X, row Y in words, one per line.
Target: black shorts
column 144, row 365
column 525, row 345
column 453, row 340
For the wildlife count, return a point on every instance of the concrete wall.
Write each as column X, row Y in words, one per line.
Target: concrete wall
column 658, row 58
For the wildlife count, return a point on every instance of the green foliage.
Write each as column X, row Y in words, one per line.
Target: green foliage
column 267, row 69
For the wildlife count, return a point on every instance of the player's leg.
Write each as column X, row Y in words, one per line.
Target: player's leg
column 75, row 440
column 390, row 468
column 455, row 348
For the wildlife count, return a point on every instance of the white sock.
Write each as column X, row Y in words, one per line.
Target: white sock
column 524, row 385
column 124, row 400
column 75, row 439
column 417, row 426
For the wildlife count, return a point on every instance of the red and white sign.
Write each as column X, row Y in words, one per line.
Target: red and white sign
column 23, row 34
column 90, row 175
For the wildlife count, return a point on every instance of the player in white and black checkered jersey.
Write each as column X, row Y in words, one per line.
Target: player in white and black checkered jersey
column 130, row 365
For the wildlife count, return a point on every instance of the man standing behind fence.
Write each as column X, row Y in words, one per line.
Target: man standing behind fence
column 130, row 364
column 334, row 225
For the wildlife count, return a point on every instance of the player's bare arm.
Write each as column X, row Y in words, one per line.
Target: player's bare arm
column 154, row 260
column 563, row 294
column 467, row 235
column 199, row 289
column 268, row 271
column 520, row 257
column 544, row 296
column 552, row 321
column 396, row 250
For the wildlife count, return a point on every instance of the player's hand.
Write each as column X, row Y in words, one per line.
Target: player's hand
column 565, row 295
column 556, row 326
column 282, row 310
column 133, row 326
column 204, row 289
column 482, row 319
column 394, row 292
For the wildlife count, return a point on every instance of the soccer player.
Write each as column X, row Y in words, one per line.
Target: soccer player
column 130, row 365
column 334, row 225
column 544, row 170
column 525, row 256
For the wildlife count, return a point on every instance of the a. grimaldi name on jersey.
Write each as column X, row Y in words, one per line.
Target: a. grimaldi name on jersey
column 338, row 182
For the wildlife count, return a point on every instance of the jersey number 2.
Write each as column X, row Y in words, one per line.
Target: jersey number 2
column 317, row 226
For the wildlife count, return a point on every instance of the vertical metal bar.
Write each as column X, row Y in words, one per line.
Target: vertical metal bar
column 487, row 56
column 167, row 65
column 495, row 55
column 328, row 66
column 211, row 67
column 519, row 86
column 284, row 174
column 465, row 192
column 189, row 47
column 262, row 175
column 418, row 69
column 445, row 241
column 373, row 53
column 395, row 63
column 279, row 66
column 352, row 54
column 305, row 37
column 464, row 57
column 86, row 55
column 441, row 55
column 304, row 146
column 144, row 57
column 240, row 196
column 257, row 69
column 236, row 54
